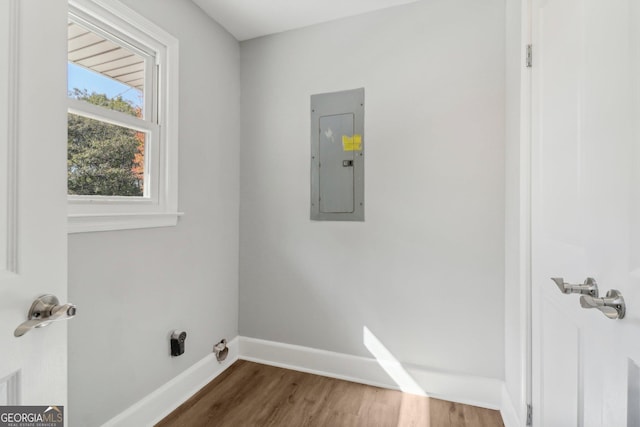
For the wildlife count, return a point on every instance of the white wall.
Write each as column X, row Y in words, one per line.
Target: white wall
column 516, row 205
column 133, row 287
column 425, row 271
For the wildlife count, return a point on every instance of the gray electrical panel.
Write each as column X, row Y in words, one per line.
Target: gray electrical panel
column 337, row 156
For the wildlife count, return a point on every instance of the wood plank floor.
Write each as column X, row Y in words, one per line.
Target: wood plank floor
column 250, row 394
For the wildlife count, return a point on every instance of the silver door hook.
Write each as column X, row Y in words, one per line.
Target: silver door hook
column 43, row 311
column 589, row 287
column 612, row 305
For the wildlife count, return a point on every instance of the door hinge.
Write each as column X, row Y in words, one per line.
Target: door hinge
column 529, row 415
column 529, row 60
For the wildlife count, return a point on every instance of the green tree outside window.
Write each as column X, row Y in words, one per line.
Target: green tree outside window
column 104, row 159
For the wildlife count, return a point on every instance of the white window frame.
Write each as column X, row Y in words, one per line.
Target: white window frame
column 159, row 205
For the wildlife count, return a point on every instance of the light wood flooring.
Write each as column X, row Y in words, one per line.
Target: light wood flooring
column 250, row 394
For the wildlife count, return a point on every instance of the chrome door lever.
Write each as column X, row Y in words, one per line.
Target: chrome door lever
column 612, row 305
column 589, row 287
column 43, row 311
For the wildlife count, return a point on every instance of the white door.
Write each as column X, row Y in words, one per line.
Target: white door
column 33, row 252
column 585, row 210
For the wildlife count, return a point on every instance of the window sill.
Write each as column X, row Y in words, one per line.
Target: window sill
column 112, row 222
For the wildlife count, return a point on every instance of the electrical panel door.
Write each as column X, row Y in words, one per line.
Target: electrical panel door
column 337, row 156
column 336, row 165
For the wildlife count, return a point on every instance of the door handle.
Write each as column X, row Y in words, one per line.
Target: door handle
column 589, row 287
column 43, row 311
column 612, row 305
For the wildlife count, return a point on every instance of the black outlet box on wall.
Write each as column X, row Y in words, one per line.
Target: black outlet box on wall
column 177, row 342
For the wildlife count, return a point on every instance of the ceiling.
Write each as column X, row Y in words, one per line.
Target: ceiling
column 247, row 19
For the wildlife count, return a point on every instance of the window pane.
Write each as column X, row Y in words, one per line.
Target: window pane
column 100, row 68
column 104, row 159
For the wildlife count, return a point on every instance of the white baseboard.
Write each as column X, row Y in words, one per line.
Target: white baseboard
column 470, row 390
column 160, row 403
column 508, row 411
